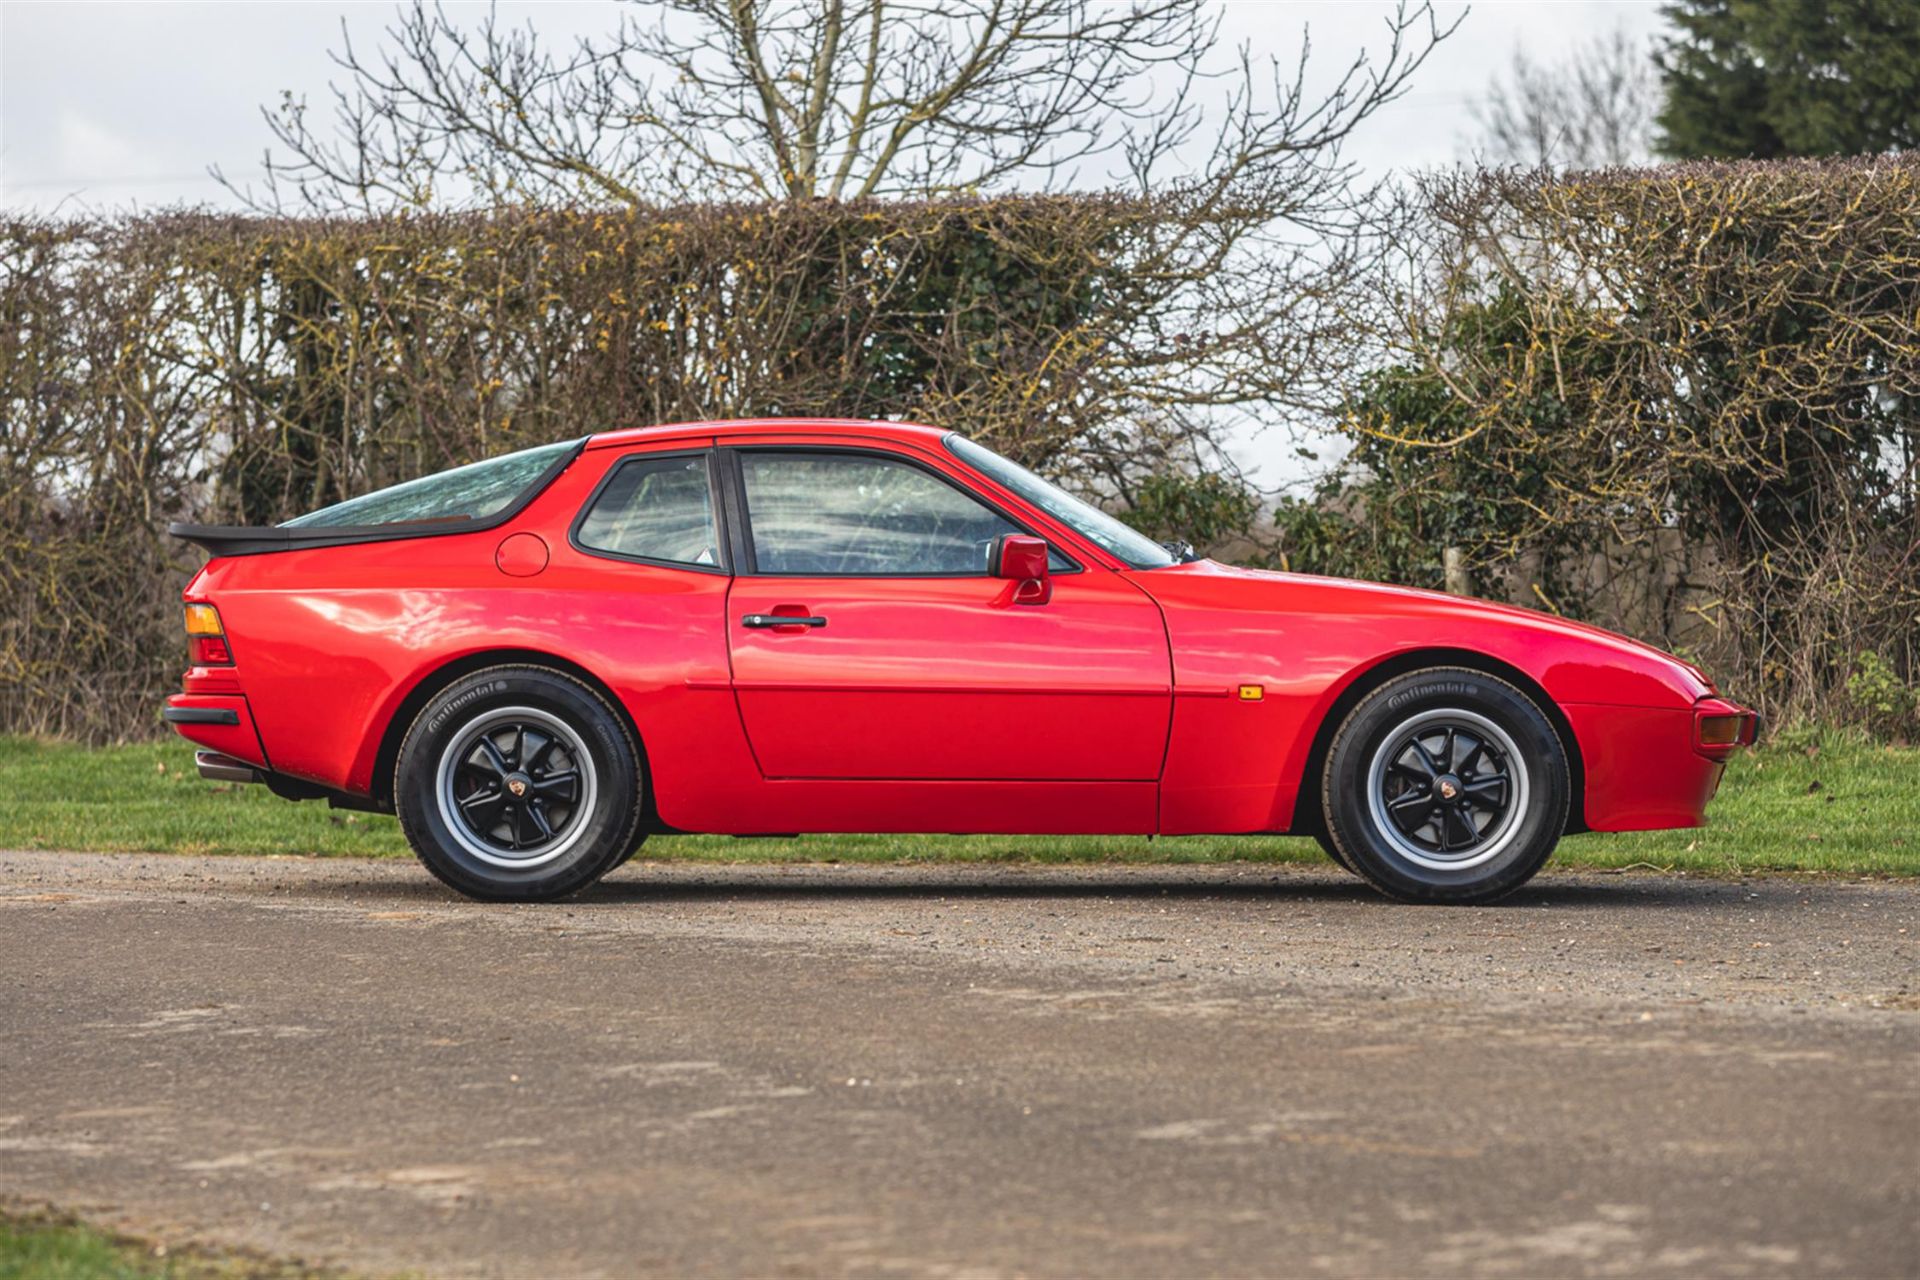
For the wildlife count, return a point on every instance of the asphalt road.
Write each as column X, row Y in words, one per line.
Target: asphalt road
column 966, row 1071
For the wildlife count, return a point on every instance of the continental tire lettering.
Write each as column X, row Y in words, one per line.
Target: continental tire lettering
column 464, row 700
column 1439, row 688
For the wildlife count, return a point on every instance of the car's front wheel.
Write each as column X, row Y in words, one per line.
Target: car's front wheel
column 1446, row 786
column 1332, row 850
column 518, row 784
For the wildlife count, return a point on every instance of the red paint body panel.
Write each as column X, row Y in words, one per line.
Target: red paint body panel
column 950, row 678
column 924, row 704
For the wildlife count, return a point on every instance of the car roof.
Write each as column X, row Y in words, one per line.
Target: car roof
column 903, row 431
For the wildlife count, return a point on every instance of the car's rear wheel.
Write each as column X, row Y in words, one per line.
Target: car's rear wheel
column 518, row 784
column 1447, row 786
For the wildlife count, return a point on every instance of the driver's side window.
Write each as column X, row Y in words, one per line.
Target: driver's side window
column 862, row 515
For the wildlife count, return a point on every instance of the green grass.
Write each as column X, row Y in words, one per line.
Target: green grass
column 50, row 1251
column 1842, row 806
column 41, row 1247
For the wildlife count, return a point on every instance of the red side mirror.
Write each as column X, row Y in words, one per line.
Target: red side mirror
column 1023, row 559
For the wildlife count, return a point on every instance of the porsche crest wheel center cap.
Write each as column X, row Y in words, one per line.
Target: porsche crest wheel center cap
column 518, row 785
column 1448, row 787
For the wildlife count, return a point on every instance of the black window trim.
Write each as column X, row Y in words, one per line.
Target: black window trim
column 741, row 538
column 251, row 540
column 715, row 490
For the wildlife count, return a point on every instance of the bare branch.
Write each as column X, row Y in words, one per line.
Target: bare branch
column 731, row 99
column 1594, row 108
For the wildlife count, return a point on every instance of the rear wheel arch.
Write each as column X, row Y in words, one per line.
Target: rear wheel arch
column 429, row 685
column 1307, row 818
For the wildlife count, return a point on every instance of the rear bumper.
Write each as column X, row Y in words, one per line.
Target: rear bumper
column 222, row 723
column 200, row 715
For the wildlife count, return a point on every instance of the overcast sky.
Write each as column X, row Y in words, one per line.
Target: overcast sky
column 118, row 104
column 123, row 105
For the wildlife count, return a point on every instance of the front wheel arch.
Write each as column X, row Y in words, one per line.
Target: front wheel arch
column 430, row 685
column 1307, row 818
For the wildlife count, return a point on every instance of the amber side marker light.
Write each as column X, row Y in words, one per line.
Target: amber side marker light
column 206, row 639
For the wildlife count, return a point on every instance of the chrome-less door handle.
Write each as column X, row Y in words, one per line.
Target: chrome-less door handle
column 780, row 620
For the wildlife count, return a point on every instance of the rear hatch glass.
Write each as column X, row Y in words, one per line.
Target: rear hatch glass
column 477, row 491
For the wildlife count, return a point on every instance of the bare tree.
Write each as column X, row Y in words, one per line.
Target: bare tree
column 1592, row 109
column 797, row 99
column 1236, row 280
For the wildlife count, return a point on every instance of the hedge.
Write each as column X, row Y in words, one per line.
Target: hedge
column 1683, row 402
column 194, row 367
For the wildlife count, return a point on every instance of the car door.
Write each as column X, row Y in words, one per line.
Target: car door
column 905, row 659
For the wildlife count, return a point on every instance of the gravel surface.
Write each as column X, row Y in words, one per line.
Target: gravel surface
column 966, row 1070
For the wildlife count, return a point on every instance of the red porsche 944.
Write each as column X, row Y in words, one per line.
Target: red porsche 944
column 779, row 627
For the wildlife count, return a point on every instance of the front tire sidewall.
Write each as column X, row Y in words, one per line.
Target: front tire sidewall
column 1355, row 827
column 609, row 824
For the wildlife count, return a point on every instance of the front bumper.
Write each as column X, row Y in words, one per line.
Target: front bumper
column 1646, row 768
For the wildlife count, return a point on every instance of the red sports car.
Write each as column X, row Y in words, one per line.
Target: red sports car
column 784, row 626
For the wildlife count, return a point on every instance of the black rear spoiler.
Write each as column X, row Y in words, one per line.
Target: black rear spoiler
column 254, row 540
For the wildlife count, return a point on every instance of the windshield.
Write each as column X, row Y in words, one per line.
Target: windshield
column 472, row 492
column 1085, row 519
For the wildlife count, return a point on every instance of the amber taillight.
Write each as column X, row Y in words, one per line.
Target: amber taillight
column 206, row 638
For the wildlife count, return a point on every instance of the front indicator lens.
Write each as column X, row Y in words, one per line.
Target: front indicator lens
column 1722, row 731
column 1720, row 727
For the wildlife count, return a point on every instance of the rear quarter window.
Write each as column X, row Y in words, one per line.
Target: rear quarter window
column 478, row 491
column 656, row 508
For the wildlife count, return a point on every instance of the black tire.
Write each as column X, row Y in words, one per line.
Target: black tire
column 1332, row 850
column 519, row 784
column 633, row 847
column 1446, row 785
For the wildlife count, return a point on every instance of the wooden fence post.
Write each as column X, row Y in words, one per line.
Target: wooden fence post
column 1459, row 581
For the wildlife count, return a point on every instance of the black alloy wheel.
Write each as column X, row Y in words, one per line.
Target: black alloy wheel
column 1446, row 785
column 519, row 784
